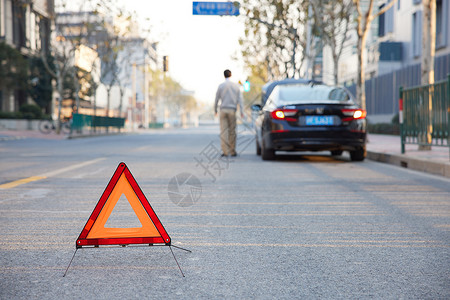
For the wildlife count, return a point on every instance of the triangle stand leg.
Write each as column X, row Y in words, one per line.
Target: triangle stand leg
column 70, row 262
column 170, row 247
column 182, row 248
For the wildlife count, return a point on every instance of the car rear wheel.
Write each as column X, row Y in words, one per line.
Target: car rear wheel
column 267, row 153
column 358, row 155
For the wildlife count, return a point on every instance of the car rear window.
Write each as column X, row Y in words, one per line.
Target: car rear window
column 294, row 94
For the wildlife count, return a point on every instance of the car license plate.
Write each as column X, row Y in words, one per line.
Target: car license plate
column 319, row 120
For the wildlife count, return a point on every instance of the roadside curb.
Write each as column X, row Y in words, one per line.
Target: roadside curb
column 422, row 165
column 79, row 136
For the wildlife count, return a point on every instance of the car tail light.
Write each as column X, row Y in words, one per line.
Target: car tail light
column 353, row 114
column 284, row 114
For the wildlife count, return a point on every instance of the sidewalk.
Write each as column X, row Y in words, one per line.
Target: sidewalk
column 387, row 149
column 23, row 134
column 6, row 135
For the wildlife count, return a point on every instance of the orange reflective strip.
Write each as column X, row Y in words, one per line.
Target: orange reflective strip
column 99, row 230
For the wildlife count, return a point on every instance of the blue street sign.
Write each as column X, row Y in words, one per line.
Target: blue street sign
column 215, row 8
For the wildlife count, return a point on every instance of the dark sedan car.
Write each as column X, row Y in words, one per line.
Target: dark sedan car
column 306, row 116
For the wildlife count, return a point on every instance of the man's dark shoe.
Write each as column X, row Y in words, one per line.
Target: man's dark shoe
column 234, row 154
column 223, row 155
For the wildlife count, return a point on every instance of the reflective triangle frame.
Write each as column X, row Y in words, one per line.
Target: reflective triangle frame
column 91, row 235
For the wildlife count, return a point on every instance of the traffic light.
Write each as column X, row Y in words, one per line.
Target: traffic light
column 246, row 86
column 165, row 63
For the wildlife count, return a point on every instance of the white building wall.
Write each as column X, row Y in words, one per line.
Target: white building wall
column 8, row 22
column 403, row 11
column 2, row 18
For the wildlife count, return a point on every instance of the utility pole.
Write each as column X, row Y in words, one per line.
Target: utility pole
column 133, row 101
column 146, row 97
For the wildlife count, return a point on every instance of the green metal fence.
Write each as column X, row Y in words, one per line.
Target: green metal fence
column 425, row 115
column 79, row 121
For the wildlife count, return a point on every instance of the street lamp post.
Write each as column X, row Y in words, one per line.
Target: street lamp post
column 132, row 117
column 146, row 98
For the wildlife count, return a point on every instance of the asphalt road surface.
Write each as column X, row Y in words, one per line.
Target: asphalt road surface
column 304, row 226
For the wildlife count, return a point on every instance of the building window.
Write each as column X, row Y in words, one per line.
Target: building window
column 389, row 19
column 381, row 23
column 44, row 34
column 441, row 23
column 416, row 33
column 386, row 21
column 19, row 25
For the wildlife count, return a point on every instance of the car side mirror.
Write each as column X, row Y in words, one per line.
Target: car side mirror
column 256, row 107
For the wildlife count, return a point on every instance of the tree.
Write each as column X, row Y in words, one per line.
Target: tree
column 275, row 36
column 175, row 98
column 364, row 21
column 124, row 77
column 14, row 68
column 108, row 56
column 63, row 51
column 109, row 50
column 41, row 89
column 92, row 30
column 332, row 23
column 427, row 66
column 62, row 67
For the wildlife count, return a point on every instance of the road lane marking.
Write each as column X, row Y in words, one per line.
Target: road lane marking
column 15, row 183
column 73, row 167
column 12, row 184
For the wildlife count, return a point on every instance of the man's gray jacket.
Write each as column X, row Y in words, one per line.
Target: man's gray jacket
column 230, row 94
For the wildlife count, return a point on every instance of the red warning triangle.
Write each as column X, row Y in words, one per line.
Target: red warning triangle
column 95, row 233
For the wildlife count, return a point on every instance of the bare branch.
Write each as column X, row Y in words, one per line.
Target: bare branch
column 385, row 9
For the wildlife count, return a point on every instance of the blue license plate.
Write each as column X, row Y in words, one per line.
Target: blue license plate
column 319, row 120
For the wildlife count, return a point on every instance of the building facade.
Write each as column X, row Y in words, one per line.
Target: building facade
column 25, row 26
column 394, row 53
column 124, row 70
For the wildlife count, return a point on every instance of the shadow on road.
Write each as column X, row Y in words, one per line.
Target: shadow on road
column 311, row 158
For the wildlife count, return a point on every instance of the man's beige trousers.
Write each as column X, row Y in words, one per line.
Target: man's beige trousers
column 228, row 131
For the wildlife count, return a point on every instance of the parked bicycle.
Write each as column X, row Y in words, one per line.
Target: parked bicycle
column 47, row 126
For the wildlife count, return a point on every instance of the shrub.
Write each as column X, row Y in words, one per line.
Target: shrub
column 396, row 119
column 31, row 111
column 10, row 115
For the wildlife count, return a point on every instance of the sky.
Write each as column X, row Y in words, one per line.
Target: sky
column 199, row 47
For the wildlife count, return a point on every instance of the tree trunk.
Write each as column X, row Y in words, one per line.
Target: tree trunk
column 77, row 90
column 427, row 68
column 361, row 78
column 335, row 68
column 108, row 99
column 121, row 103
column 60, row 97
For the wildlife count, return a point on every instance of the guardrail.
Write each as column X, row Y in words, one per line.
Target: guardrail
column 80, row 121
column 425, row 115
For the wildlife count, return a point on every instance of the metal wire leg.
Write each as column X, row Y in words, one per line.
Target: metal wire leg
column 182, row 248
column 176, row 261
column 70, row 262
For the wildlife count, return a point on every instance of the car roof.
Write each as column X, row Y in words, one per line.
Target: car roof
column 268, row 87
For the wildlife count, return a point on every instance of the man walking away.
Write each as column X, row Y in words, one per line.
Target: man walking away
column 230, row 95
